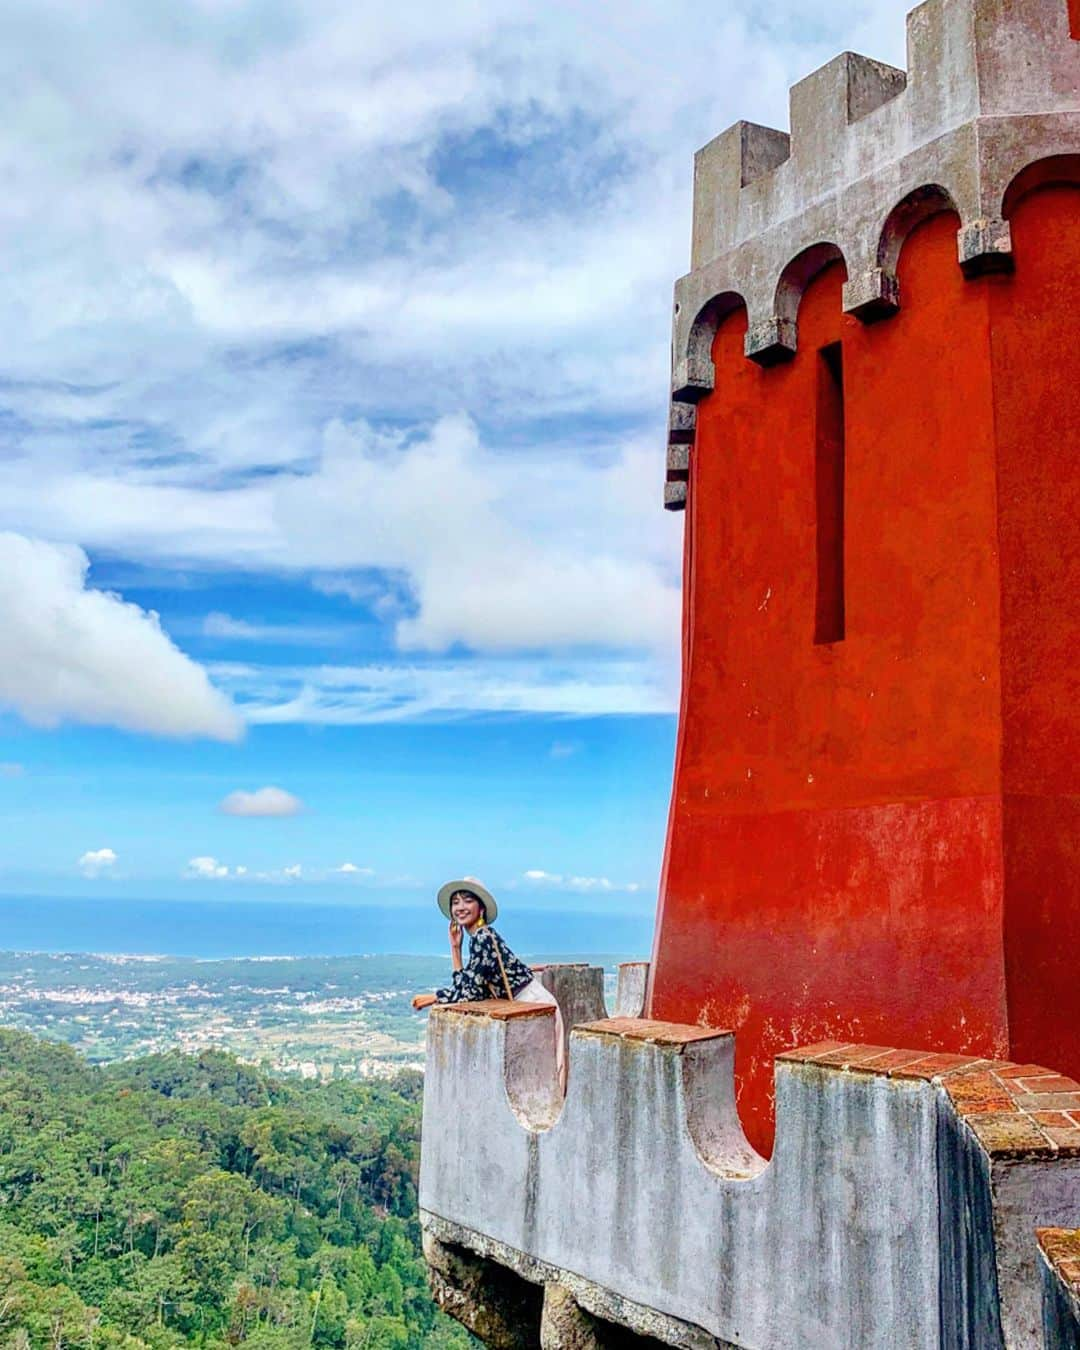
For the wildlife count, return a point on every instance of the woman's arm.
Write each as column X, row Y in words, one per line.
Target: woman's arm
column 472, row 980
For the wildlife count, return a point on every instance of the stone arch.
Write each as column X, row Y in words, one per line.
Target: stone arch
column 774, row 339
column 694, row 374
column 919, row 205
column 1053, row 171
column 875, row 294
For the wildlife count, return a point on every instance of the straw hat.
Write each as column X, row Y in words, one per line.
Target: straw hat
column 471, row 885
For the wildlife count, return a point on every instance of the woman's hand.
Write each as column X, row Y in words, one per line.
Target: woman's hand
column 423, row 1001
column 456, row 934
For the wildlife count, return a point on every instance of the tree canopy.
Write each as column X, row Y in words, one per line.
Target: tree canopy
column 178, row 1201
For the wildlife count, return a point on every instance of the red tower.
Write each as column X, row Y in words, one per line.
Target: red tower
column 875, row 821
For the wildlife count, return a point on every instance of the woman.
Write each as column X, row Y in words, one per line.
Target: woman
column 492, row 970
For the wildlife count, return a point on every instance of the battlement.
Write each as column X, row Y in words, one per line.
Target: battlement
column 991, row 88
column 905, row 1189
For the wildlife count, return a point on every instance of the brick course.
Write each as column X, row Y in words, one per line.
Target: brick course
column 1014, row 1110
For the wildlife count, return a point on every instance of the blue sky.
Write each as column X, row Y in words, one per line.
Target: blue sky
column 333, row 359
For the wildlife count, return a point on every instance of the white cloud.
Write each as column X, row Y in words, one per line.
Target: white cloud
column 443, row 690
column 582, row 885
column 230, row 273
column 97, row 860
column 496, row 551
column 265, row 801
column 351, row 870
column 207, row 869
column 72, row 654
column 11, row 770
column 293, row 872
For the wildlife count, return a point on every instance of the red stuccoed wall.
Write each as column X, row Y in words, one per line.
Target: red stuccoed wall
column 874, row 839
column 1037, row 410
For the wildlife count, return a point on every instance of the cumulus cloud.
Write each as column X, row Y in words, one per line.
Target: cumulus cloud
column 73, row 654
column 255, row 283
column 351, row 870
column 264, row 801
column 96, row 861
column 481, row 548
column 205, row 868
column 293, row 873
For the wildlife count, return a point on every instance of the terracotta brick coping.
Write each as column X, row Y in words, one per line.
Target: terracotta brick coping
column 1014, row 1110
column 656, row 1033
column 1061, row 1249
column 499, row 1009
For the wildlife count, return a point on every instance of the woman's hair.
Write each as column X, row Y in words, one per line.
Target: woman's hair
column 471, row 895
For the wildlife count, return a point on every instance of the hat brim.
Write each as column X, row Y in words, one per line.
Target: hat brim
column 474, row 888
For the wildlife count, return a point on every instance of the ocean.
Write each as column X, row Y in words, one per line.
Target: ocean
column 214, row 930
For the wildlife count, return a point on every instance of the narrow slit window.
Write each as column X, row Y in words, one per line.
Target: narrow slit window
column 829, row 489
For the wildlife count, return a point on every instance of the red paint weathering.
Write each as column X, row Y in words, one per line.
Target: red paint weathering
column 873, row 836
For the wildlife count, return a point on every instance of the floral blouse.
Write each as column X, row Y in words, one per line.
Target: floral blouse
column 481, row 977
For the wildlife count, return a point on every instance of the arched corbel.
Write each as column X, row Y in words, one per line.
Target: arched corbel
column 875, row 294
column 772, row 340
column 693, row 376
column 985, row 247
column 1053, row 171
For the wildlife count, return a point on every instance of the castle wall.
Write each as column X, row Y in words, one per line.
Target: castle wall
column 835, row 858
column 874, row 832
column 898, row 1210
column 1037, row 416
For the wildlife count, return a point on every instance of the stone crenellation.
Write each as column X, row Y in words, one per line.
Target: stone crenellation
column 904, row 1190
column 991, row 89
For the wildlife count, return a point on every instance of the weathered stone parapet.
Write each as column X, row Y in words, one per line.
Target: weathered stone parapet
column 579, row 990
column 632, row 990
column 991, row 89
column 1009, row 1158
column 1060, row 1265
column 899, row 1207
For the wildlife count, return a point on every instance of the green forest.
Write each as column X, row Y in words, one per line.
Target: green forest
column 177, row 1201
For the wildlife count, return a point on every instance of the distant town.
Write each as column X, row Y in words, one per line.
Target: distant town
column 318, row 1018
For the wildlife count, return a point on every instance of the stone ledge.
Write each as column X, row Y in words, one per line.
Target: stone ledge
column 1014, row 1110
column 655, row 1033
column 499, row 1009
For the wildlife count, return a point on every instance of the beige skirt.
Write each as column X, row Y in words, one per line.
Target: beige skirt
column 536, row 993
